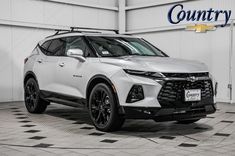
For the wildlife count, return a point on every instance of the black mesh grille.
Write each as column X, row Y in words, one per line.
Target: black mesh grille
column 184, row 75
column 172, row 93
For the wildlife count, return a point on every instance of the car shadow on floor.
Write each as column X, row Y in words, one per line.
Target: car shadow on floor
column 70, row 113
column 133, row 127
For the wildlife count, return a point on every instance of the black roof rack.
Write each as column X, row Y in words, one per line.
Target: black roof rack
column 96, row 30
column 81, row 30
column 61, row 30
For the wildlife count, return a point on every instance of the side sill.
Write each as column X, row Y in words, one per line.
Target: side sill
column 63, row 99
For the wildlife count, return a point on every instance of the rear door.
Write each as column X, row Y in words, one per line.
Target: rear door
column 45, row 68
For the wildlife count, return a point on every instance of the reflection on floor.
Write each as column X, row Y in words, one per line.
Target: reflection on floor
column 63, row 130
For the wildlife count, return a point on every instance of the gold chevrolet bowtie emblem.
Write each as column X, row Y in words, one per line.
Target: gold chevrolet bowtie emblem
column 201, row 28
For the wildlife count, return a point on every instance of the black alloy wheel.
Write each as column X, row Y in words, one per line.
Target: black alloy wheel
column 100, row 107
column 30, row 95
column 103, row 109
column 33, row 102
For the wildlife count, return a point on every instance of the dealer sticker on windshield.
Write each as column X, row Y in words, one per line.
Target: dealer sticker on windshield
column 192, row 95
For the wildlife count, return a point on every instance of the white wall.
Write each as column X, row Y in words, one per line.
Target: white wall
column 211, row 48
column 24, row 22
column 156, row 17
column 233, row 64
column 19, row 20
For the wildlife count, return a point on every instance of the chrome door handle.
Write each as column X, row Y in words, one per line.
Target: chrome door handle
column 39, row 61
column 61, row 64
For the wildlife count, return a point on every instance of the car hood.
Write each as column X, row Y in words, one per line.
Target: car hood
column 156, row 64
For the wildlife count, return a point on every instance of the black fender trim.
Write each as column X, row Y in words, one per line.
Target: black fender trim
column 99, row 76
column 30, row 73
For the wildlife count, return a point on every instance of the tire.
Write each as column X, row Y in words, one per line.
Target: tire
column 33, row 102
column 103, row 109
column 187, row 121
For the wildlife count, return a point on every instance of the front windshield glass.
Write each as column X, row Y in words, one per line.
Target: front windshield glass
column 120, row 46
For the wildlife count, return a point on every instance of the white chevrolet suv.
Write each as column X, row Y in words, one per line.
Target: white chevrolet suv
column 116, row 77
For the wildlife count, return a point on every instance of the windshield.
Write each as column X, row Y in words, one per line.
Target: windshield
column 120, row 46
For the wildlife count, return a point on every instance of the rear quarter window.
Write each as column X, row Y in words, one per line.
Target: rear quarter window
column 46, row 44
column 44, row 47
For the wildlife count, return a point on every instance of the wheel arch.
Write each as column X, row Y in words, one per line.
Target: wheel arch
column 29, row 75
column 100, row 79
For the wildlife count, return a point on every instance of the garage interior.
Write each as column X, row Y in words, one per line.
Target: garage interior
column 64, row 130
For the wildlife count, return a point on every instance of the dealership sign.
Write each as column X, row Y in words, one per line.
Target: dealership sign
column 178, row 14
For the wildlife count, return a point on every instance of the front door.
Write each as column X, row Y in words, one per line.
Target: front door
column 70, row 70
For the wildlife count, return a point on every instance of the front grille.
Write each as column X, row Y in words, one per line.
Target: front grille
column 185, row 75
column 172, row 93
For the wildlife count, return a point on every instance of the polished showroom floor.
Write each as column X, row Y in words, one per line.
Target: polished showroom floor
column 68, row 131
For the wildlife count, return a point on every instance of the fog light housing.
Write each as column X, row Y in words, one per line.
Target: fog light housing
column 136, row 94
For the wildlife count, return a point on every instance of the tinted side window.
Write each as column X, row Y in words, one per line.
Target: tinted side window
column 56, row 47
column 76, row 42
column 46, row 44
column 44, row 47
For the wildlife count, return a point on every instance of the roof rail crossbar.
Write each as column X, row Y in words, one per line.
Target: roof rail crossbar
column 80, row 30
column 61, row 30
column 95, row 29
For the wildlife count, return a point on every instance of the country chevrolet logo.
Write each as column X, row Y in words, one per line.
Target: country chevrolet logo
column 201, row 28
column 178, row 14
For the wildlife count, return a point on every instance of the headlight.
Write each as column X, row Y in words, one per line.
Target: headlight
column 147, row 74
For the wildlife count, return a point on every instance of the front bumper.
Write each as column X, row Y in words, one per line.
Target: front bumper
column 168, row 114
